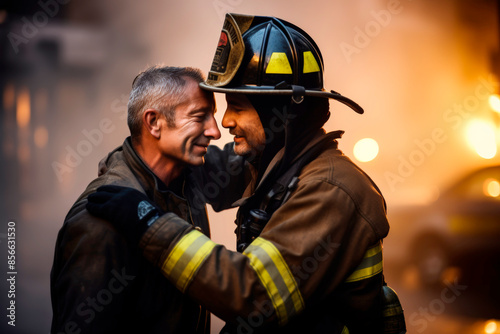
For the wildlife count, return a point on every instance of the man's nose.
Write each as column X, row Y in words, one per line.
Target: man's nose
column 228, row 119
column 212, row 130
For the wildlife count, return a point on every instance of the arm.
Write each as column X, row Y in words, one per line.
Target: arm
column 223, row 177
column 91, row 276
column 320, row 230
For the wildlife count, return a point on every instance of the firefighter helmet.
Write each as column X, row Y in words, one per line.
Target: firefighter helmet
column 267, row 55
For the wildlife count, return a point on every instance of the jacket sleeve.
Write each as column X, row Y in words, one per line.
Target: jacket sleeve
column 91, row 276
column 310, row 246
column 223, row 177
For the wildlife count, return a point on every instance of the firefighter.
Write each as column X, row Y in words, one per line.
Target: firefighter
column 100, row 283
column 310, row 224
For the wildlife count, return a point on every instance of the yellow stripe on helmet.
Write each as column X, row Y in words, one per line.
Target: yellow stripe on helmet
column 310, row 63
column 279, row 64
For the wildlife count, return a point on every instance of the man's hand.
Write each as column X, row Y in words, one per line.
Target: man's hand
column 129, row 210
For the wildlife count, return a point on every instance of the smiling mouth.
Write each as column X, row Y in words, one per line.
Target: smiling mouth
column 203, row 147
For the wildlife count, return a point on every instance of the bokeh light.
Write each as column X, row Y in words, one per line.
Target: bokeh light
column 491, row 188
column 481, row 137
column 494, row 101
column 366, row 150
column 23, row 112
column 41, row 137
column 491, row 327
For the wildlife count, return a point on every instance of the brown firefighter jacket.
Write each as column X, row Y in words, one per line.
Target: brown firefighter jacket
column 315, row 268
column 100, row 284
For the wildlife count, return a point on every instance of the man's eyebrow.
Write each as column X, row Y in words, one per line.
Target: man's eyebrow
column 202, row 110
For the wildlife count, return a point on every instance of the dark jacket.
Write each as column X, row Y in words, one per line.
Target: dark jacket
column 100, row 284
column 315, row 268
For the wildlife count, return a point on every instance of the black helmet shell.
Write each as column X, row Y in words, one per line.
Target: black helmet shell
column 267, row 55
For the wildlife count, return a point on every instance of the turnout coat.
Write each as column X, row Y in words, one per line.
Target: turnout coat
column 316, row 266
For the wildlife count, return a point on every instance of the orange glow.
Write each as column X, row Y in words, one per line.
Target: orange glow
column 23, row 111
column 491, row 327
column 494, row 101
column 491, row 188
column 366, row 150
column 41, row 136
column 8, row 97
column 481, row 137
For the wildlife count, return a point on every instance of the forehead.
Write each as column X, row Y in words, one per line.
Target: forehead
column 237, row 99
column 195, row 97
column 234, row 97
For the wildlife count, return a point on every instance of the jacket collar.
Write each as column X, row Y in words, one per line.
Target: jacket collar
column 319, row 137
column 155, row 188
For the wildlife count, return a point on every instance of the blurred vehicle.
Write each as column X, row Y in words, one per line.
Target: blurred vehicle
column 463, row 223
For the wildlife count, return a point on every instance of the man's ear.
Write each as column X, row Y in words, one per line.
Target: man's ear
column 151, row 121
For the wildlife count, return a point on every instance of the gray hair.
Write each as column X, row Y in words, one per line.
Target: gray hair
column 160, row 88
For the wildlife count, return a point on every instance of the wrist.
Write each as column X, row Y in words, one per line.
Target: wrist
column 161, row 235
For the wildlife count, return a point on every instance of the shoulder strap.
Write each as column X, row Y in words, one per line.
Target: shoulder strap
column 287, row 182
column 254, row 214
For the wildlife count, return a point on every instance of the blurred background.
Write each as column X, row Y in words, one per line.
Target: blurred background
column 426, row 73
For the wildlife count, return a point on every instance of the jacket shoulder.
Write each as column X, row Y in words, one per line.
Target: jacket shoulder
column 335, row 168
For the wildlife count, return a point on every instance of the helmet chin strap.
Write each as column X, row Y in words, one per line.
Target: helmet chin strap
column 298, row 93
column 295, row 107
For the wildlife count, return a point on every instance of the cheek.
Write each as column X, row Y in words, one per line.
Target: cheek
column 191, row 130
column 254, row 129
column 257, row 134
column 261, row 136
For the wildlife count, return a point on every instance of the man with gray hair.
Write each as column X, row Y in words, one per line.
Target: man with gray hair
column 99, row 282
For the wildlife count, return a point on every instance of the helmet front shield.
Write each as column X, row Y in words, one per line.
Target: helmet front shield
column 268, row 56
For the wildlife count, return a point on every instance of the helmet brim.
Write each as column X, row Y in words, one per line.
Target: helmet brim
column 270, row 90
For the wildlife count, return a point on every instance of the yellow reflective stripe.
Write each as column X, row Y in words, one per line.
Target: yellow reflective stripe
column 276, row 277
column 310, row 63
column 186, row 257
column 373, row 251
column 268, row 283
column 345, row 330
column 279, row 64
column 283, row 268
column 371, row 265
